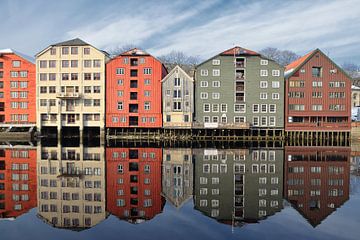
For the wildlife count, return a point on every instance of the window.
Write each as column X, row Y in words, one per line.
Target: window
column 65, row 50
column 204, row 72
column 275, row 84
column 240, row 108
column 215, row 62
column 53, row 51
column 120, row 71
column 256, row 121
column 16, row 63
column 147, row 106
column 216, row 72
column 316, row 107
column 276, row 73
column 177, row 106
column 215, row 108
column 147, row 71
column 263, row 73
column 239, row 119
column 147, row 81
column 74, row 50
column 120, row 106
column 223, row 107
column 255, row 108
column 203, row 95
column 204, row 84
column 263, row 108
column 52, row 64
column 272, row 121
column 216, row 95
column 120, row 82
column 74, row 63
column 206, row 107
column 97, row 63
column 86, row 51
column 43, row 64
column 216, row 83
column 177, row 94
column 177, row 82
column 272, row 108
column 263, row 84
column 263, row 95
column 264, row 62
column 316, row 71
column 275, row 96
column 87, row 63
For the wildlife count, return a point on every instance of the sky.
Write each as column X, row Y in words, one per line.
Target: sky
column 196, row 27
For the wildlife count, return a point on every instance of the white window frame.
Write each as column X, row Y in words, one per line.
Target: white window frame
column 239, row 104
column 264, row 62
column 216, row 72
column 263, row 84
column 275, row 84
column 275, row 73
column 204, row 72
column 216, row 62
column 204, row 84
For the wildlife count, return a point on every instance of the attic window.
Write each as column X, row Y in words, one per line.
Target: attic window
column 316, row 71
column 264, row 62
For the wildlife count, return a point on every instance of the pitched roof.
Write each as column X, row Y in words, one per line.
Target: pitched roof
column 177, row 67
column 239, row 51
column 135, row 51
column 299, row 62
column 11, row 51
column 72, row 42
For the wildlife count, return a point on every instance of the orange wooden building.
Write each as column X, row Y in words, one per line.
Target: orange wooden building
column 17, row 89
column 133, row 90
column 318, row 95
column 317, row 180
column 17, row 181
column 133, row 185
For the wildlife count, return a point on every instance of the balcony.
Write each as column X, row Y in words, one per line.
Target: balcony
column 68, row 95
column 133, row 108
column 70, row 172
column 240, row 86
column 133, row 62
column 240, row 63
column 240, row 74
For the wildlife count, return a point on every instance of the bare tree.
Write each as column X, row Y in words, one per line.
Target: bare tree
column 178, row 57
column 124, row 48
column 351, row 68
column 282, row 57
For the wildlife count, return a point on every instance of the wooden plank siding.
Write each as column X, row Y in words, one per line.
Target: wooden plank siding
column 318, row 120
column 114, row 116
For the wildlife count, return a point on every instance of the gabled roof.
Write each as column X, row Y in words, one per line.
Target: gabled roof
column 135, row 52
column 72, row 42
column 297, row 64
column 11, row 51
column 237, row 51
column 177, row 67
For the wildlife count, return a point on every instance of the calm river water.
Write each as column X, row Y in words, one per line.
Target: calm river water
column 75, row 190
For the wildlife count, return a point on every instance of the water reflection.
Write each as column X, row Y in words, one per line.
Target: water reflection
column 71, row 185
column 134, row 183
column 317, row 180
column 238, row 185
column 76, row 185
column 17, row 180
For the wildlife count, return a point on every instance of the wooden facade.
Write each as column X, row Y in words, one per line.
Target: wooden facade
column 17, row 89
column 317, row 180
column 134, row 183
column 178, row 99
column 18, row 182
column 318, row 95
column 133, row 90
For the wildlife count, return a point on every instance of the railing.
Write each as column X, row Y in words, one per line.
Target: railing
column 239, row 64
column 245, row 125
column 240, row 77
column 68, row 95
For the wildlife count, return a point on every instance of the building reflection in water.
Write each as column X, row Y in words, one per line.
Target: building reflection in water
column 177, row 181
column 317, row 180
column 17, row 180
column 71, row 185
column 236, row 186
column 134, row 183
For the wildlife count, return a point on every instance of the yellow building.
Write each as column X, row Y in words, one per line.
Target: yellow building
column 71, row 186
column 71, row 86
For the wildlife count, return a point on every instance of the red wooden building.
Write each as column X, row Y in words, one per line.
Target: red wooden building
column 317, row 180
column 133, row 185
column 318, row 95
column 17, row 181
column 133, row 90
column 17, row 89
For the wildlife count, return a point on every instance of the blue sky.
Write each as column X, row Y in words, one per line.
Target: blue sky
column 202, row 28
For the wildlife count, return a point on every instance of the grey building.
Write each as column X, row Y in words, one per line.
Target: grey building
column 239, row 88
column 178, row 99
column 238, row 185
column 177, row 180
